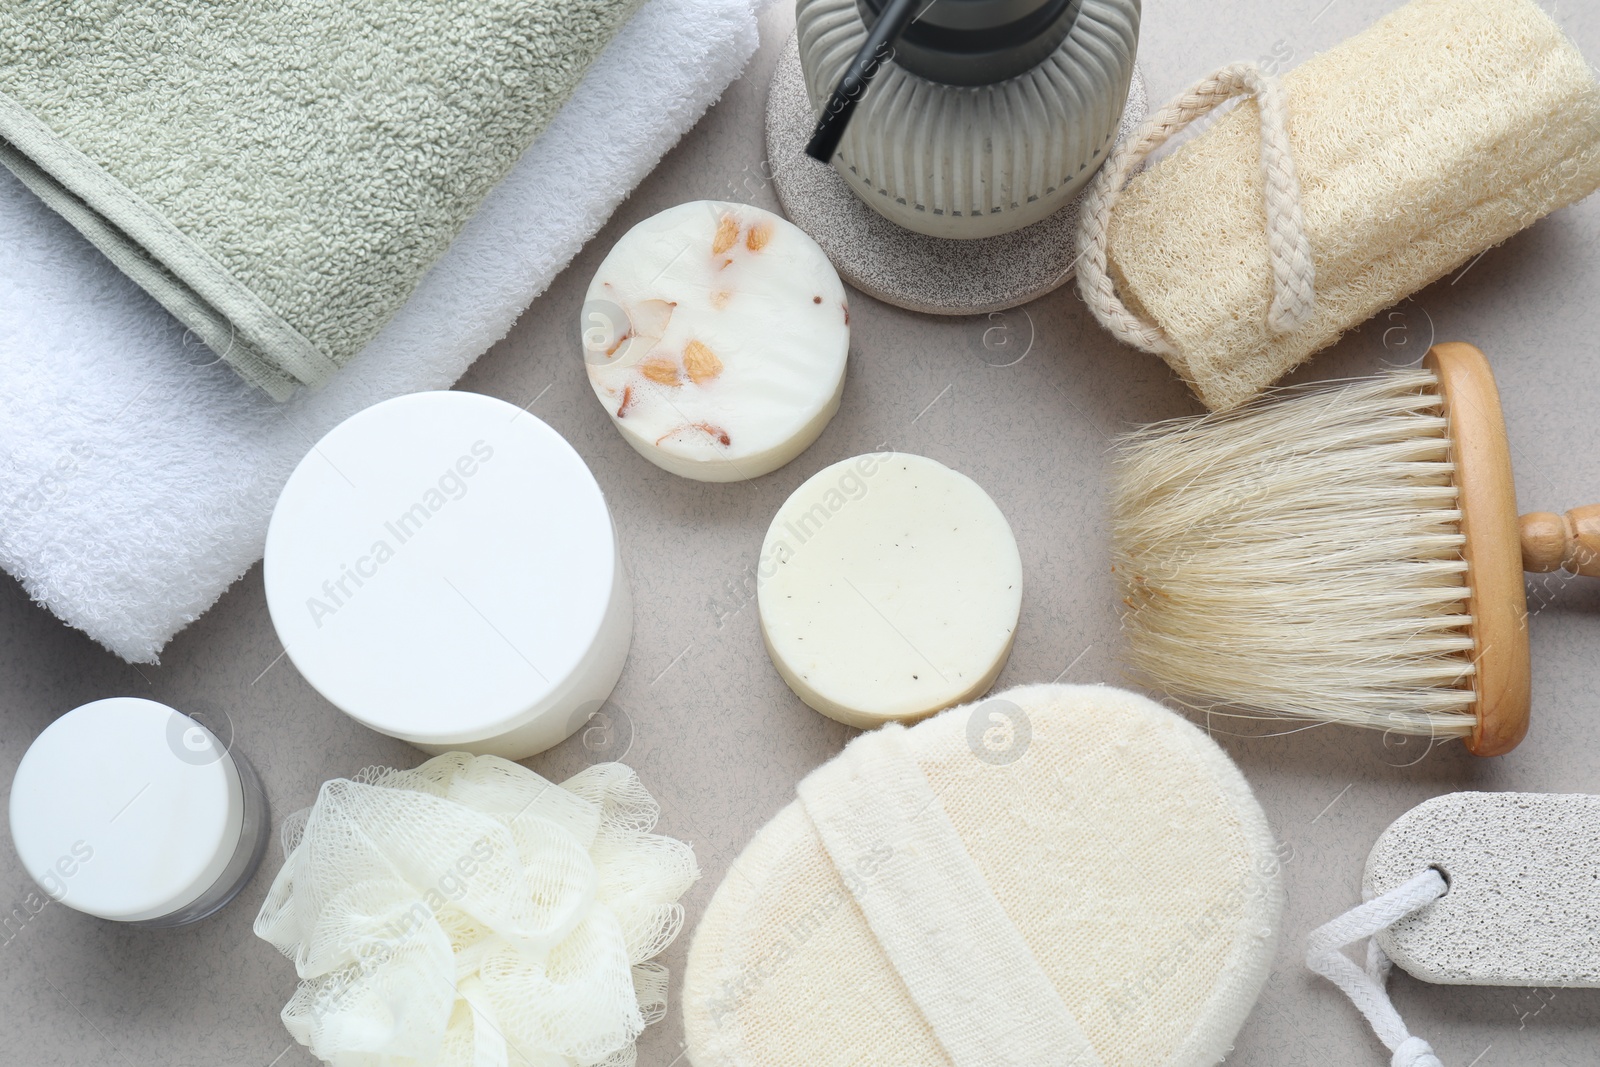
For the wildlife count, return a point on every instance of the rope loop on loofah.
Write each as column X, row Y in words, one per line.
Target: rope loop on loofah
column 1293, row 271
column 1365, row 985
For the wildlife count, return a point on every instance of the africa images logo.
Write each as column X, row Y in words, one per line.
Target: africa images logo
column 451, row 485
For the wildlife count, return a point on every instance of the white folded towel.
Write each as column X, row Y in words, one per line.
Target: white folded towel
column 138, row 472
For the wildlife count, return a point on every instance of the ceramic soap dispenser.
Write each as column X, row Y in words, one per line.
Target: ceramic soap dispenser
column 966, row 118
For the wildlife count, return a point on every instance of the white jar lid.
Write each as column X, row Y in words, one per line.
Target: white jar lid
column 443, row 568
column 126, row 809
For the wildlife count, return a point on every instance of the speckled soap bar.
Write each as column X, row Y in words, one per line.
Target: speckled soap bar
column 1523, row 907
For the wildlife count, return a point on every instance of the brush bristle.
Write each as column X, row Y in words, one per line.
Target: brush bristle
column 1302, row 556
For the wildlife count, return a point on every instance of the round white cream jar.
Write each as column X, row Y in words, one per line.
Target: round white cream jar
column 443, row 568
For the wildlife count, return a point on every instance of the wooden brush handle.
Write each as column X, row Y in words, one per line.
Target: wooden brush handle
column 1487, row 500
column 1551, row 542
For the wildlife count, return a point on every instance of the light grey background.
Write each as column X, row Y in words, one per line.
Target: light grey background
column 714, row 732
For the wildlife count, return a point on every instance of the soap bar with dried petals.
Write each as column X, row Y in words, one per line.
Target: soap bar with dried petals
column 715, row 335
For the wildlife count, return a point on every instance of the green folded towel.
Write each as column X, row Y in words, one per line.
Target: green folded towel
column 280, row 175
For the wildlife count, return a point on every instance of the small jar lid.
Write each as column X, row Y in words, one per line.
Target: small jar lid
column 440, row 567
column 126, row 809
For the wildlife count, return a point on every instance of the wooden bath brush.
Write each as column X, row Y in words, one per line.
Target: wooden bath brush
column 1347, row 552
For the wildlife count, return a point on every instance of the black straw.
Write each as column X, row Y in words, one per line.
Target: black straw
column 875, row 51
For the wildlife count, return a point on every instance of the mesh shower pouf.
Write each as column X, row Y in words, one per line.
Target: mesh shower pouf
column 469, row 913
column 1056, row 874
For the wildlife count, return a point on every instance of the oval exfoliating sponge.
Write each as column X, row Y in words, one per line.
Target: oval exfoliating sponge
column 1057, row 874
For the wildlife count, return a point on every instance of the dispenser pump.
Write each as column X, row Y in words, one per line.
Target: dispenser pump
column 955, row 42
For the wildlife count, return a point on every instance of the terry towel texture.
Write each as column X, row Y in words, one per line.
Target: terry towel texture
column 137, row 477
column 280, row 176
column 1440, row 131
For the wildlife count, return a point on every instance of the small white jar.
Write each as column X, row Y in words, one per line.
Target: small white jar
column 131, row 811
column 442, row 567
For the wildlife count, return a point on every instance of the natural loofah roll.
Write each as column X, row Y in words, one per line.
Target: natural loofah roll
column 469, row 913
column 1437, row 133
column 1063, row 875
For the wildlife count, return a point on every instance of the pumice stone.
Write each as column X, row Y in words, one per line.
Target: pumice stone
column 889, row 587
column 443, row 568
column 1523, row 904
column 715, row 335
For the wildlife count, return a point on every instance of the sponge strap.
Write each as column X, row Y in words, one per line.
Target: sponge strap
column 964, row 963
